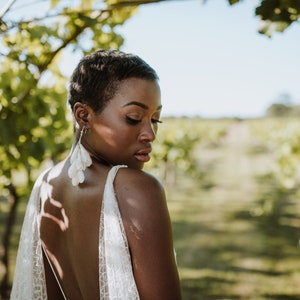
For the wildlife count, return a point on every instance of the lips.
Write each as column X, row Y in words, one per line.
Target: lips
column 143, row 155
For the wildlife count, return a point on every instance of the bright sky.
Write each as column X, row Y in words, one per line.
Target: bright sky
column 211, row 60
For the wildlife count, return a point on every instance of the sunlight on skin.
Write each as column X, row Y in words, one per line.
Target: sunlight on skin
column 134, row 225
column 135, row 231
column 63, row 220
column 54, row 262
column 110, row 134
column 63, row 224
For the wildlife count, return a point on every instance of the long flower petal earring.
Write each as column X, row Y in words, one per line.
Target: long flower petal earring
column 80, row 160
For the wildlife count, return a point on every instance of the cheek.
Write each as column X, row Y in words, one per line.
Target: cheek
column 114, row 136
column 125, row 135
column 108, row 136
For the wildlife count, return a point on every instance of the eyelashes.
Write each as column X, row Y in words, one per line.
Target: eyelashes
column 155, row 121
column 132, row 121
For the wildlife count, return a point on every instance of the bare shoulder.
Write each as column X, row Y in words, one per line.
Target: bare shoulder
column 143, row 206
column 57, row 171
column 140, row 190
column 138, row 181
column 145, row 216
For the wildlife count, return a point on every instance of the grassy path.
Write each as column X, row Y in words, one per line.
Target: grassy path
column 225, row 251
column 227, row 246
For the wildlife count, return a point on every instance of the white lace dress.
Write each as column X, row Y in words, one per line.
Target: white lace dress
column 116, row 278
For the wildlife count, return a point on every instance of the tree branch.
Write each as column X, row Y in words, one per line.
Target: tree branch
column 6, row 8
column 110, row 8
column 4, row 286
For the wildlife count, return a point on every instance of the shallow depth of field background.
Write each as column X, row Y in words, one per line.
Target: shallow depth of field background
column 227, row 152
column 234, row 203
column 236, row 219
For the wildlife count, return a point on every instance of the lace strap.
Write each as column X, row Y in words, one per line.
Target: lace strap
column 116, row 274
column 29, row 278
column 112, row 174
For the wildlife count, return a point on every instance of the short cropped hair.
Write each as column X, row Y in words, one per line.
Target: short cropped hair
column 96, row 78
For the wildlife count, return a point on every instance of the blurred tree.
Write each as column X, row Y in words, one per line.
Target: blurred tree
column 283, row 107
column 33, row 38
column 34, row 121
column 279, row 110
column 275, row 15
column 175, row 148
column 33, row 124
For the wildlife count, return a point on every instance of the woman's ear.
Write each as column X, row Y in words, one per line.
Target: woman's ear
column 82, row 113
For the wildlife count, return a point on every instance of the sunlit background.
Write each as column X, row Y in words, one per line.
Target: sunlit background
column 211, row 60
column 227, row 152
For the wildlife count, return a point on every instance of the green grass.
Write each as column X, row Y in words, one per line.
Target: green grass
column 226, row 249
column 236, row 232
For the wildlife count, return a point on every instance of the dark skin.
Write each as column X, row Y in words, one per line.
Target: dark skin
column 121, row 134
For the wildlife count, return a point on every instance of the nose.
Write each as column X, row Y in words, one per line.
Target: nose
column 148, row 133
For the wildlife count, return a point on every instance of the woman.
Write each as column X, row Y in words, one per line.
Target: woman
column 97, row 226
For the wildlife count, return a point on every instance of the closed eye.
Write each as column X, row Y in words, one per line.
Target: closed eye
column 155, row 121
column 132, row 121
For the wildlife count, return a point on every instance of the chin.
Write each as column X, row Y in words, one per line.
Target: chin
column 137, row 165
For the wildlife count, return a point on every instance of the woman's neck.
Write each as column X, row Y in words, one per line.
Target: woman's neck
column 94, row 155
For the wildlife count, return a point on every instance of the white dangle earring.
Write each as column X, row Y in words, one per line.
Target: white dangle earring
column 80, row 160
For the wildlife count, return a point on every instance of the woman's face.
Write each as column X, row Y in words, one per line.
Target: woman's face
column 124, row 131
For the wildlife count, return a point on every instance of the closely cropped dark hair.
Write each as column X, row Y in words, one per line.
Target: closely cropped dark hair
column 98, row 75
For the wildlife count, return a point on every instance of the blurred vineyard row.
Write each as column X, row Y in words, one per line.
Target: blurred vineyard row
column 281, row 138
column 180, row 149
column 180, row 141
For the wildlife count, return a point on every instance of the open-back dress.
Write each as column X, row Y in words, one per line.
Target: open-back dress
column 116, row 280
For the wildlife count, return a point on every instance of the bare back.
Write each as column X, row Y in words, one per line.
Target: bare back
column 71, row 220
column 70, row 231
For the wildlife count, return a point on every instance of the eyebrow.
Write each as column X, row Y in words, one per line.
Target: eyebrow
column 142, row 105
